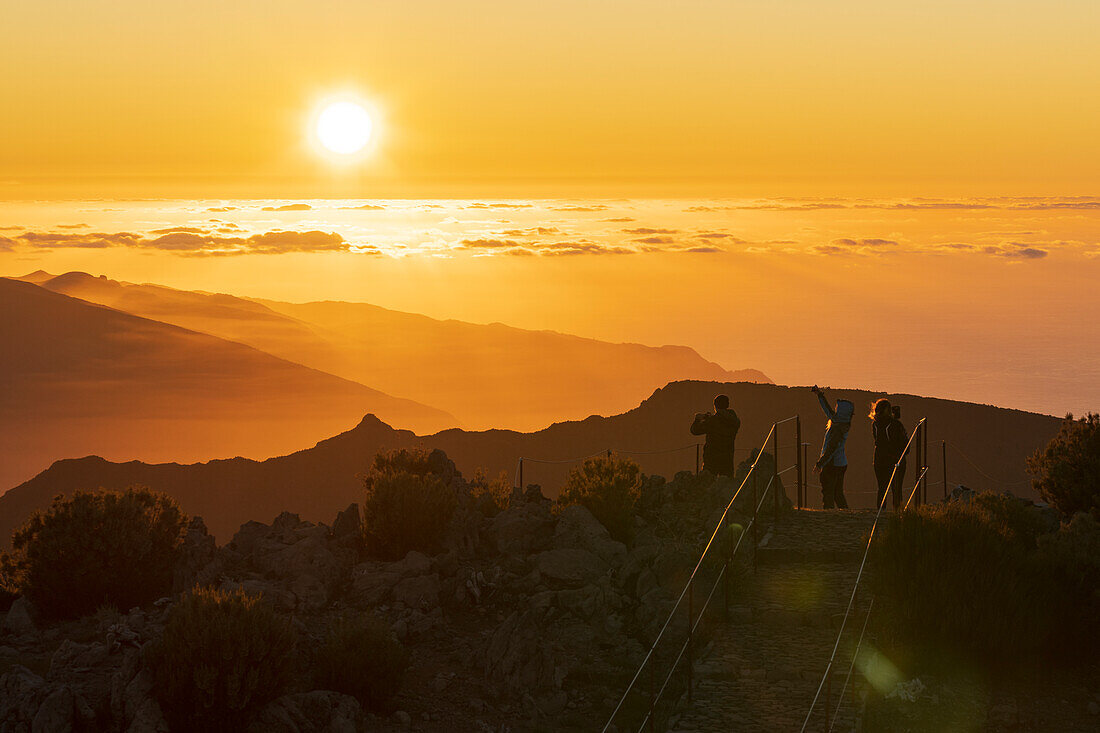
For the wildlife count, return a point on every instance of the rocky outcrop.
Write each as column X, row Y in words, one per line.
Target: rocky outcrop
column 320, row 711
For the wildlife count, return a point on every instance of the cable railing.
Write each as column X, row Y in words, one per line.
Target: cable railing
column 919, row 429
column 687, row 594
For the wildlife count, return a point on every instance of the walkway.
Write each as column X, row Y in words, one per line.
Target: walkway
column 761, row 670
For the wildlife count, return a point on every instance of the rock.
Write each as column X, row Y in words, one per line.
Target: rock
column 21, row 694
column 418, row 592
column 570, row 566
column 523, row 529
column 198, row 563
column 320, row 711
column 1094, row 709
column 577, row 528
column 88, row 669
column 371, row 583
column 55, row 714
column 518, row 657
column 348, row 524
column 414, row 563
column 20, row 618
column 148, row 718
column 402, row 719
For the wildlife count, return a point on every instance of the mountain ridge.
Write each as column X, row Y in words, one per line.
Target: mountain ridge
column 316, row 482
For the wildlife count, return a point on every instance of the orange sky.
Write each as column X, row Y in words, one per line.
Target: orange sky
column 714, row 97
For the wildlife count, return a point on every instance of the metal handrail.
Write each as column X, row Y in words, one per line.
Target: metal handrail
column 862, row 564
column 694, row 623
column 689, row 585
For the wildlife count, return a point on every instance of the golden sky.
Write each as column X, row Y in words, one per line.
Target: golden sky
column 717, row 97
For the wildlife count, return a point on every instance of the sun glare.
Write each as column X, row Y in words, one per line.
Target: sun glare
column 344, row 128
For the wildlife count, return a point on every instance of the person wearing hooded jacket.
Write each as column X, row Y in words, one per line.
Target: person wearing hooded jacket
column 721, row 428
column 832, row 463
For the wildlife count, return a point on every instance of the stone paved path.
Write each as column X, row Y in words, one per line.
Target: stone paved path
column 763, row 668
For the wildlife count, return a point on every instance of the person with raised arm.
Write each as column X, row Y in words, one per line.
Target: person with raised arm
column 832, row 463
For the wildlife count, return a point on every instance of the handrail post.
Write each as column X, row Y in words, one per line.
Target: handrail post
column 775, row 471
column 924, row 481
column 691, row 634
column 806, row 473
column 919, row 462
column 944, row 446
column 521, row 475
column 798, row 454
column 697, row 462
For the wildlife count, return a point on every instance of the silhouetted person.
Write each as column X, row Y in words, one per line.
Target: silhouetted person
column 890, row 441
column 721, row 428
column 832, row 463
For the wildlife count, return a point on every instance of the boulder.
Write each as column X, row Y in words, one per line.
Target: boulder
column 20, row 618
column 523, row 529
column 419, row 592
column 55, row 714
column 320, row 711
column 371, row 583
column 570, row 566
column 87, row 669
column 518, row 656
column 198, row 555
column 577, row 528
column 21, row 694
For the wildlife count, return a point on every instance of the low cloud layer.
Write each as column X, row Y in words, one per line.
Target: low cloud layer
column 192, row 241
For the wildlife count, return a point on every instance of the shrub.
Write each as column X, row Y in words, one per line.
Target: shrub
column 971, row 577
column 490, row 496
column 117, row 548
column 221, row 658
column 609, row 488
column 1067, row 471
column 361, row 658
column 408, row 505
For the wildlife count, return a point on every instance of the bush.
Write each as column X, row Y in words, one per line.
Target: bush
column 222, row 657
column 490, row 496
column 117, row 548
column 972, row 577
column 609, row 488
column 1067, row 471
column 408, row 504
column 361, row 658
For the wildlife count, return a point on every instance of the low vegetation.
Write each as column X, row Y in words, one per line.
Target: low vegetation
column 1067, row 471
column 991, row 578
column 490, row 496
column 361, row 658
column 117, row 548
column 222, row 657
column 408, row 502
column 608, row 486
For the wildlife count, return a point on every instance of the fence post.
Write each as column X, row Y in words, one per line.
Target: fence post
column 697, row 459
column 798, row 455
column 775, row 471
column 943, row 444
column 726, row 574
column 754, row 513
column 521, row 474
column 691, row 634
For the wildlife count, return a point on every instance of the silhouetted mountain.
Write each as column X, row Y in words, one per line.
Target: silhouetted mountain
column 81, row 378
column 487, row 375
column 319, row 481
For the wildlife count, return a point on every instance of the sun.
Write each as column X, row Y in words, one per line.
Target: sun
column 343, row 128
